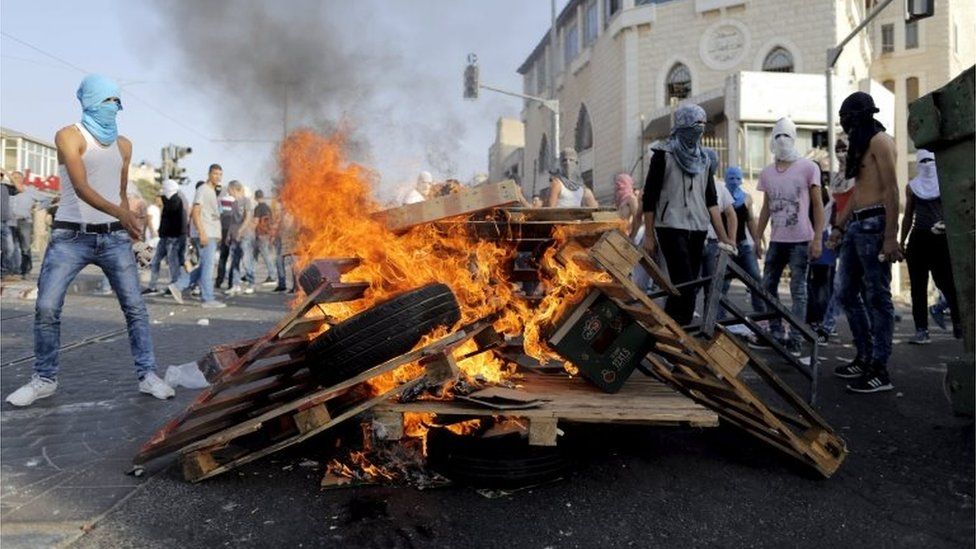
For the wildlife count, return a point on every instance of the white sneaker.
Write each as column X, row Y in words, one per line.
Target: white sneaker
column 233, row 290
column 176, row 292
column 248, row 290
column 213, row 304
column 152, row 385
column 37, row 387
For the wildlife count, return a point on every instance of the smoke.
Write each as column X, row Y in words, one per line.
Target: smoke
column 328, row 64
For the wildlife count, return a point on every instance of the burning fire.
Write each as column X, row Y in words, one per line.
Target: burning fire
column 331, row 203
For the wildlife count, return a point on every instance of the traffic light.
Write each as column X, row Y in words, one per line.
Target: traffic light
column 471, row 78
column 179, row 174
column 919, row 9
column 177, row 152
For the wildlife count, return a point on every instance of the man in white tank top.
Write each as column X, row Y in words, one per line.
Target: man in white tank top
column 91, row 228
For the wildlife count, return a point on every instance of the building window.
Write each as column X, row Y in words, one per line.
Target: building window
column 778, row 60
column 679, row 83
column 911, row 35
column 544, row 155
column 570, row 43
column 584, row 130
column 610, row 8
column 887, row 38
column 591, row 23
column 541, row 81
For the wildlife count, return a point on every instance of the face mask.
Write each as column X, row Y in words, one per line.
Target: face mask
column 847, row 122
column 783, row 148
column 99, row 120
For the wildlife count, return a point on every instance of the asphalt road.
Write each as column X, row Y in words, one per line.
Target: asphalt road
column 908, row 481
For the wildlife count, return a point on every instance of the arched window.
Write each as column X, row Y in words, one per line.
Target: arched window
column 544, row 155
column 584, row 130
column 778, row 60
column 679, row 83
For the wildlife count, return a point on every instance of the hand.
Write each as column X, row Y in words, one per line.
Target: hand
column 650, row 244
column 132, row 224
column 816, row 249
column 759, row 249
column 835, row 238
column 204, row 240
column 892, row 251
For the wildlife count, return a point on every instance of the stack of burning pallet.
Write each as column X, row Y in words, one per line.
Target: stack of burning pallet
column 270, row 393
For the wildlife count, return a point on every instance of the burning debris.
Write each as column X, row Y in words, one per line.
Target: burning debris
column 430, row 331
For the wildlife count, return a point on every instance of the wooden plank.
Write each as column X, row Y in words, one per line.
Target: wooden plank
column 560, row 214
column 727, row 355
column 197, row 464
column 467, row 201
column 542, row 431
column 635, row 256
column 387, row 425
column 713, row 295
column 312, row 418
column 341, row 291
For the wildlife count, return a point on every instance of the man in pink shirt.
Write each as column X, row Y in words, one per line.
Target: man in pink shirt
column 791, row 185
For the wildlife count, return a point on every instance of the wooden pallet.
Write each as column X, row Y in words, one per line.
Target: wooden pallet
column 467, row 201
column 711, row 372
column 642, row 401
column 313, row 413
column 250, row 377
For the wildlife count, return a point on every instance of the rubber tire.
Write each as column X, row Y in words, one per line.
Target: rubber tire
column 380, row 333
column 504, row 462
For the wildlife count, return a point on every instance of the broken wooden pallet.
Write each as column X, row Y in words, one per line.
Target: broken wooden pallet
column 711, row 372
column 468, row 200
column 642, row 401
column 315, row 412
column 250, row 377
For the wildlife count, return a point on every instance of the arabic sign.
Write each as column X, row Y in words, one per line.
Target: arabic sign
column 724, row 44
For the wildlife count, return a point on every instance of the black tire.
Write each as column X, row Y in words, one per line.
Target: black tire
column 502, row 462
column 380, row 333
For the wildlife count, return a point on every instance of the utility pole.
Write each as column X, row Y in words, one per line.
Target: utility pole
column 552, row 80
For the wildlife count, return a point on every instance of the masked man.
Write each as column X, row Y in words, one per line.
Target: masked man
column 679, row 203
column 791, row 187
column 867, row 232
column 91, row 228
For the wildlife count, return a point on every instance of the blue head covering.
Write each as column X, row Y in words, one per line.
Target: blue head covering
column 685, row 140
column 733, row 182
column 98, row 116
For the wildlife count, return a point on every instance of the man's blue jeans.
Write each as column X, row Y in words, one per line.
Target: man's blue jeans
column 9, row 257
column 242, row 262
column 797, row 256
column 746, row 259
column 168, row 248
column 860, row 274
column 68, row 253
column 266, row 250
column 280, row 264
column 203, row 274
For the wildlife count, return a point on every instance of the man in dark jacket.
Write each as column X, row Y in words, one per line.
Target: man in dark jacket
column 172, row 236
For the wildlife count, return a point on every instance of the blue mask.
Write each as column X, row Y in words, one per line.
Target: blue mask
column 733, row 182
column 100, row 121
column 98, row 115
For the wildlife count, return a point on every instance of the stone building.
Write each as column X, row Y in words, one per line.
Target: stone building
column 622, row 66
column 505, row 154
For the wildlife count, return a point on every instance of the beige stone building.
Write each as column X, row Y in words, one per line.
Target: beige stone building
column 505, row 154
column 623, row 65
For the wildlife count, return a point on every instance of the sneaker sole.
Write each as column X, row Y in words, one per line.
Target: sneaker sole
column 881, row 389
column 29, row 403
column 175, row 294
column 150, row 393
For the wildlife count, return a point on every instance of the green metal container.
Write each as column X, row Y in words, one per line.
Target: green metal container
column 944, row 123
column 602, row 340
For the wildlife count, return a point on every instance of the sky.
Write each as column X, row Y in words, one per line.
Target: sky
column 216, row 76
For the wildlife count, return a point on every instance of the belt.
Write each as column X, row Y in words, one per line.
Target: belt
column 99, row 228
column 867, row 213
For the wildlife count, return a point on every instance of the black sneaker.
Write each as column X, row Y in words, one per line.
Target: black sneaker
column 150, row 291
column 758, row 343
column 852, row 370
column 279, row 289
column 793, row 346
column 875, row 380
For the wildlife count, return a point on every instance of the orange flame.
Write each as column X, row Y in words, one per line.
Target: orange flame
column 331, row 202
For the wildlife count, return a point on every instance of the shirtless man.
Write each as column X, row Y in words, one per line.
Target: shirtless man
column 90, row 228
column 867, row 232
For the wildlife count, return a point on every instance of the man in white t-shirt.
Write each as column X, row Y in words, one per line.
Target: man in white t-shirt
column 205, row 218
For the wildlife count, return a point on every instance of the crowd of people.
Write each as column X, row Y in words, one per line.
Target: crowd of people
column 836, row 234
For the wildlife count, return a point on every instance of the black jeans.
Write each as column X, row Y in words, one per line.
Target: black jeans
column 682, row 251
column 927, row 253
column 224, row 255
